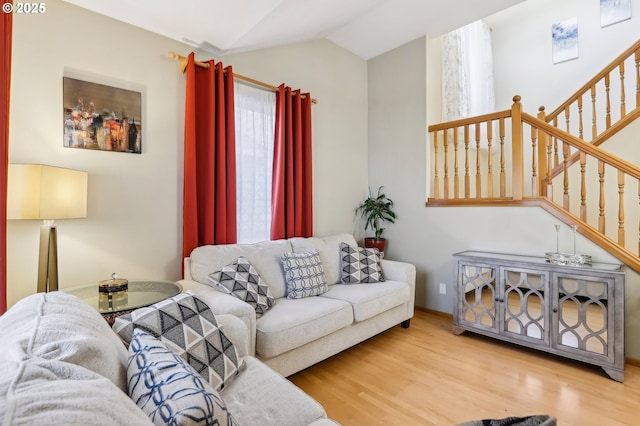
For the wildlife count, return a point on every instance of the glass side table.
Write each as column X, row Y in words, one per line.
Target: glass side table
column 139, row 294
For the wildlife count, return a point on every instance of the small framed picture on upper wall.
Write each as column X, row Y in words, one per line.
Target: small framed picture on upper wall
column 614, row 11
column 101, row 117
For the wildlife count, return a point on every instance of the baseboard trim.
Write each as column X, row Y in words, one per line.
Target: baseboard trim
column 630, row 361
column 434, row 312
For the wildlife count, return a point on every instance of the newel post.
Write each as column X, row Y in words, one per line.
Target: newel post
column 517, row 154
column 543, row 142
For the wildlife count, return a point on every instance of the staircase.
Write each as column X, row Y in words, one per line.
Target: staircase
column 512, row 158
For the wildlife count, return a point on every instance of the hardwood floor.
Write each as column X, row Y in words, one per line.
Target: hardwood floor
column 425, row 375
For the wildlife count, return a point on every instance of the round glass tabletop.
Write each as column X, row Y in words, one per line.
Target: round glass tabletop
column 139, row 294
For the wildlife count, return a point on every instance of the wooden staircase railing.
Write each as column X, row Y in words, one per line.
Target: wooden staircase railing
column 524, row 151
column 611, row 85
column 513, row 158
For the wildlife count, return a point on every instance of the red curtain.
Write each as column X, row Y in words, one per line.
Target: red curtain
column 6, row 26
column 292, row 205
column 209, row 205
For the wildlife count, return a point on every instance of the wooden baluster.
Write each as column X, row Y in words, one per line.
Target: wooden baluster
column 565, row 165
column 534, row 162
column 517, row 152
column 489, row 159
column 503, row 176
column 436, row 178
column 478, row 177
column 445, row 144
column 580, row 121
column 638, row 78
column 621, row 208
column 601, row 221
column 556, row 160
column 543, row 165
column 467, row 178
column 607, row 87
column 623, row 107
column 549, row 169
column 567, row 119
column 639, row 203
column 594, row 124
column 456, row 178
column 583, row 186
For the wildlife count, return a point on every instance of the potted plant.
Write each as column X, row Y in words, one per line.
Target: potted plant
column 375, row 210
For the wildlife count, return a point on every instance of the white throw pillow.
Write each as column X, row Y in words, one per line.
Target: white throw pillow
column 360, row 265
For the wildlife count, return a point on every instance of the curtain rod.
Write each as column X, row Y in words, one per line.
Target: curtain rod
column 183, row 66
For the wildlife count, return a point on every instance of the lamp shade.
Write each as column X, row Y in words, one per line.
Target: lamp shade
column 36, row 191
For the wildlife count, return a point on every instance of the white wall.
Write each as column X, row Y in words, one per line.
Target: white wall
column 399, row 113
column 134, row 224
column 521, row 37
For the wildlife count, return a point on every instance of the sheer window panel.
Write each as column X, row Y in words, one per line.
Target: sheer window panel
column 255, row 128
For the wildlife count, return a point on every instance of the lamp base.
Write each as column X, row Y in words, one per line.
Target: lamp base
column 48, row 259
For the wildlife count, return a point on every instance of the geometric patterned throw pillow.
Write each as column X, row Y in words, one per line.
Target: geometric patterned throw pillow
column 167, row 389
column 186, row 325
column 241, row 280
column 304, row 274
column 359, row 265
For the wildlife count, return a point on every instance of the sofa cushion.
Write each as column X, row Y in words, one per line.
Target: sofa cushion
column 329, row 249
column 264, row 256
column 359, row 265
column 260, row 396
column 293, row 323
column 241, row 280
column 59, row 326
column 304, row 274
column 369, row 300
column 52, row 392
column 188, row 327
column 169, row 390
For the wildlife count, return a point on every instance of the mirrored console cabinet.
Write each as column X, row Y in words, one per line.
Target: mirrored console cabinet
column 572, row 311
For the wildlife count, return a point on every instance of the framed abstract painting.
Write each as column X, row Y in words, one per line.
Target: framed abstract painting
column 100, row 117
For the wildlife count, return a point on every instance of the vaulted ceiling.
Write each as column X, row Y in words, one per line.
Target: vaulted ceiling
column 365, row 27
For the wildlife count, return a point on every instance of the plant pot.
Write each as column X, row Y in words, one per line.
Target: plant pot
column 379, row 243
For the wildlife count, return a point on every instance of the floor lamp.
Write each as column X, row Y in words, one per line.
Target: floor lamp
column 39, row 192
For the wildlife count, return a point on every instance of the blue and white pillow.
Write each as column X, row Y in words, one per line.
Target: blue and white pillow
column 167, row 389
column 304, row 274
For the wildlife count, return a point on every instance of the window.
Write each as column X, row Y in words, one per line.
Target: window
column 255, row 111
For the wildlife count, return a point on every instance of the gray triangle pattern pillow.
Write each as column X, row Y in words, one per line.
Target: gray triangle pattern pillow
column 186, row 325
column 360, row 265
column 241, row 280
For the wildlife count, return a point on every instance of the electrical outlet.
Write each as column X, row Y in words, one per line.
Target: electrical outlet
column 443, row 288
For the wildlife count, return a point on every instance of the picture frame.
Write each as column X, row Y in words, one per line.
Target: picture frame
column 564, row 40
column 100, row 117
column 614, row 11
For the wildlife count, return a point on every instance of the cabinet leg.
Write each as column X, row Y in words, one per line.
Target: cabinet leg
column 457, row 330
column 405, row 323
column 615, row 374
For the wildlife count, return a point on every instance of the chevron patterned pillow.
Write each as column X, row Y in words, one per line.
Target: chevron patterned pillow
column 359, row 265
column 241, row 280
column 186, row 325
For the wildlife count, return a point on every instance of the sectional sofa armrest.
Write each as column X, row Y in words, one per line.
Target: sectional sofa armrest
column 237, row 331
column 405, row 272
column 222, row 303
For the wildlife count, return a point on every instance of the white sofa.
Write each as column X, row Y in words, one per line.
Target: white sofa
column 61, row 364
column 297, row 333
